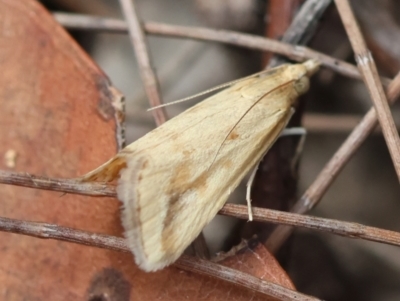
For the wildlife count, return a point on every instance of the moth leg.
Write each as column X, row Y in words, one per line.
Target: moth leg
column 296, row 131
column 248, row 192
column 293, row 131
column 286, row 132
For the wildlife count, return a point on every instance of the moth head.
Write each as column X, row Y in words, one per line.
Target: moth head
column 311, row 66
column 303, row 72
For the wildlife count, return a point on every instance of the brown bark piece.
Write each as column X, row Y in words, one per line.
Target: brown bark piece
column 57, row 119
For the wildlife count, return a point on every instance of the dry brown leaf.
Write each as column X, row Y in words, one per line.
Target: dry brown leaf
column 253, row 258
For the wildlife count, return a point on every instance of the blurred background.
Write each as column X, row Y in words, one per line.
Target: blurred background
column 366, row 191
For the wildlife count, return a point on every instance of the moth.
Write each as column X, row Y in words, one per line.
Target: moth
column 175, row 179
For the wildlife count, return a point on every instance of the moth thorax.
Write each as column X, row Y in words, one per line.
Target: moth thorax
column 302, row 84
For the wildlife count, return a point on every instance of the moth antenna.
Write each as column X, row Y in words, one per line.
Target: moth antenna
column 219, row 87
column 241, row 118
column 233, row 127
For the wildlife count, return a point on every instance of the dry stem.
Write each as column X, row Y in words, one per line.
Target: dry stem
column 144, row 61
column 297, row 53
column 73, row 186
column 367, row 67
column 347, row 229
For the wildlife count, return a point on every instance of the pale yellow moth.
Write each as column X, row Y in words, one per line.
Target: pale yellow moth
column 176, row 178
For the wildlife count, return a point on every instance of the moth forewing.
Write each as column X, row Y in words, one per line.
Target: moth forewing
column 176, row 178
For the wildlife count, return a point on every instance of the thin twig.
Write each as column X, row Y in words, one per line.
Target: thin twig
column 144, row 61
column 347, row 229
column 238, row 211
column 51, row 231
column 325, row 178
column 296, row 53
column 72, row 186
column 367, row 67
column 74, row 21
column 192, row 264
